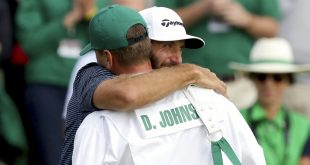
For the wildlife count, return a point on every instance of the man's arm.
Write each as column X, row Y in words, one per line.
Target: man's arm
column 234, row 14
column 256, row 25
column 130, row 92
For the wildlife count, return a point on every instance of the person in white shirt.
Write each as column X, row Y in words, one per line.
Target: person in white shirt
column 168, row 54
column 190, row 126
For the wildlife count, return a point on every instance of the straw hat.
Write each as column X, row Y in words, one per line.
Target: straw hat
column 271, row 55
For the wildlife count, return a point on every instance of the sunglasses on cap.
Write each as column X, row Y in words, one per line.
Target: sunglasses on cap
column 261, row 77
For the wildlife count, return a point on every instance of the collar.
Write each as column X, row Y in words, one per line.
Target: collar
column 259, row 114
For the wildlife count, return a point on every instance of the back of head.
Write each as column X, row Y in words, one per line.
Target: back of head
column 120, row 30
column 136, row 53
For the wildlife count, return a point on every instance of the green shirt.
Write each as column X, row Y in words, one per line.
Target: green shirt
column 271, row 134
column 222, row 48
column 40, row 30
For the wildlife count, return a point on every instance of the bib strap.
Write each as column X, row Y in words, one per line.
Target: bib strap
column 223, row 145
column 213, row 127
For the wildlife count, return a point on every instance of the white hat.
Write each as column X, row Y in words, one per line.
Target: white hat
column 165, row 24
column 271, row 55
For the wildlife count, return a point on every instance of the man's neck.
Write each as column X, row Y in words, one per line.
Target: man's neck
column 138, row 68
column 271, row 110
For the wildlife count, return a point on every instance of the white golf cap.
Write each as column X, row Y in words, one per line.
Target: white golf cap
column 165, row 24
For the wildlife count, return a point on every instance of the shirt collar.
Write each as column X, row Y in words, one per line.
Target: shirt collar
column 259, row 114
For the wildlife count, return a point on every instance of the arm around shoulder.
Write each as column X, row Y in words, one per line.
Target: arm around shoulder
column 127, row 92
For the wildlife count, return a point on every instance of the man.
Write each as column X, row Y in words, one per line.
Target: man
column 90, row 56
column 95, row 90
column 272, row 71
column 151, row 134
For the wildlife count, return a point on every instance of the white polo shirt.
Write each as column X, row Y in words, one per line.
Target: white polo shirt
column 167, row 132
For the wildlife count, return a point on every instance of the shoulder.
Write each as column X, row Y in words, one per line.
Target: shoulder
column 93, row 70
column 209, row 95
column 93, row 66
column 91, row 123
column 222, row 104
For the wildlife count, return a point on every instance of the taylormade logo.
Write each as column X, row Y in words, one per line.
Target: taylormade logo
column 167, row 22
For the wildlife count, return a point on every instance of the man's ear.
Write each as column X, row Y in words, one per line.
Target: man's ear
column 109, row 59
column 104, row 58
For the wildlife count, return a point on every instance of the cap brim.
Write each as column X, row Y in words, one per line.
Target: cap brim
column 191, row 42
column 194, row 42
column 86, row 49
column 269, row 68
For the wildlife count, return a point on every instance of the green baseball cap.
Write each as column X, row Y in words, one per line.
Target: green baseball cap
column 109, row 27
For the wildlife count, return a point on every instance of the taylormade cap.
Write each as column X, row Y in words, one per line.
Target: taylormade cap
column 165, row 24
column 109, row 27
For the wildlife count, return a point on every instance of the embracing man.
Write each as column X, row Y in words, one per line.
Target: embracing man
column 204, row 122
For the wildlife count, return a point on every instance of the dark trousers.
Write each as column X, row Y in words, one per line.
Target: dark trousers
column 44, row 106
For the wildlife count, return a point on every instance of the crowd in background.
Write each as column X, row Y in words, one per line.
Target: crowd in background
column 40, row 42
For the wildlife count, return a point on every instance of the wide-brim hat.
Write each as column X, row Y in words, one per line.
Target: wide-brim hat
column 165, row 24
column 271, row 55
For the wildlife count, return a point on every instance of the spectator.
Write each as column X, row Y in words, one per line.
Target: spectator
column 13, row 143
column 51, row 34
column 282, row 133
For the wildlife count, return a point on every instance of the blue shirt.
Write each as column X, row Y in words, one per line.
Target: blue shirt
column 80, row 105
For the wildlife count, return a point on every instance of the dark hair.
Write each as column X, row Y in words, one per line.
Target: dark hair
column 137, row 52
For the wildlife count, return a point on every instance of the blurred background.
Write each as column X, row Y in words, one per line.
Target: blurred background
column 40, row 42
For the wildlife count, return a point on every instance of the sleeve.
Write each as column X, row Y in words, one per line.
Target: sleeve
column 87, row 80
column 83, row 60
column 35, row 32
column 270, row 8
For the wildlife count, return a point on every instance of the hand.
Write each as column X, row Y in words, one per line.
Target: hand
column 87, row 5
column 209, row 80
column 219, row 6
column 204, row 6
column 74, row 15
column 234, row 14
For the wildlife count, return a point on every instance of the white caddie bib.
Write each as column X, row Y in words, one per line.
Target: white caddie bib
column 168, row 116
